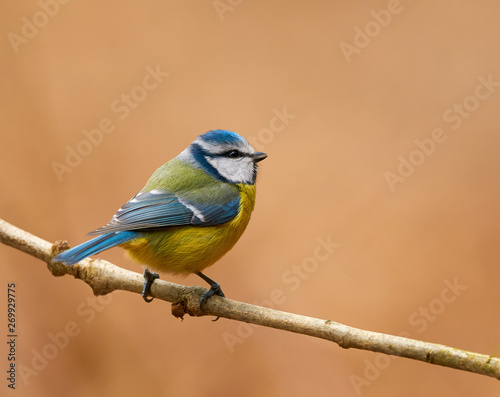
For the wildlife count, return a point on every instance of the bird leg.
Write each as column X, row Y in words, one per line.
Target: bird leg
column 214, row 290
column 149, row 277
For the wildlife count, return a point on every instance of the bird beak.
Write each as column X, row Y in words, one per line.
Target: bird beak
column 258, row 156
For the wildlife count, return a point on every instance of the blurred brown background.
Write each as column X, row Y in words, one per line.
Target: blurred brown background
column 359, row 83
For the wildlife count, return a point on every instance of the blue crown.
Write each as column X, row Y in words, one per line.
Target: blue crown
column 221, row 137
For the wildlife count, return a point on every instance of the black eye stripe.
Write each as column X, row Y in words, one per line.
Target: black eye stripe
column 231, row 153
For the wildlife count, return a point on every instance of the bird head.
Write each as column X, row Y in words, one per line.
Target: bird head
column 224, row 155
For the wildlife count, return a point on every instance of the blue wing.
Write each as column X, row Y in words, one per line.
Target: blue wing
column 161, row 208
column 156, row 209
column 94, row 246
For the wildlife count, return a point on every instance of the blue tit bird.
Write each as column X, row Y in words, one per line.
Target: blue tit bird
column 191, row 212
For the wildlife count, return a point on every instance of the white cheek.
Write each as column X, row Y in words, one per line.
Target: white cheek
column 240, row 170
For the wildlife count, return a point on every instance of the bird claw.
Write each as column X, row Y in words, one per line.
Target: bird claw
column 215, row 289
column 149, row 278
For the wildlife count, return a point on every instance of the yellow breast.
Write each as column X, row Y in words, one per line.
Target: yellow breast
column 189, row 249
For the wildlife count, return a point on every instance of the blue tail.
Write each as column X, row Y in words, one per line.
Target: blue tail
column 94, row 246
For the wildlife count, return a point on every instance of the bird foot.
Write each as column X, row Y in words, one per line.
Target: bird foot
column 215, row 289
column 149, row 278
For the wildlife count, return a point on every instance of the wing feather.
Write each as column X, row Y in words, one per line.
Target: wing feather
column 160, row 208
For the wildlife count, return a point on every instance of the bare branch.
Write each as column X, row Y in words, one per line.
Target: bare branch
column 104, row 277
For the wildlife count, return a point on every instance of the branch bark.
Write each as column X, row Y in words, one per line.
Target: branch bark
column 104, row 277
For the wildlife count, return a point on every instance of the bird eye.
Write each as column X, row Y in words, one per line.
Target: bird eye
column 234, row 154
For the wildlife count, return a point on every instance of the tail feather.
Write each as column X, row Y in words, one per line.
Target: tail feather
column 94, row 246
